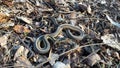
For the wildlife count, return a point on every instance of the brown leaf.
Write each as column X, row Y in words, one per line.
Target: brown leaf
column 73, row 16
column 4, row 18
column 21, row 29
column 8, row 2
column 26, row 30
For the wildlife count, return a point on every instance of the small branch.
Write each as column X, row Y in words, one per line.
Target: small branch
column 72, row 50
column 25, row 45
column 112, row 22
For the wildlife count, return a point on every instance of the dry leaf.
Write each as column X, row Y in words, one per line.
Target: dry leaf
column 38, row 3
column 73, row 18
column 111, row 41
column 26, row 30
column 61, row 2
column 30, row 8
column 47, row 0
column 19, row 1
column 117, row 55
column 103, row 2
column 4, row 39
column 73, row 15
column 8, row 2
column 6, row 25
column 93, row 59
column 52, row 57
column 21, row 29
column 81, row 7
column 59, row 64
column 59, row 19
column 89, row 10
column 4, row 18
column 22, row 61
column 21, row 51
column 25, row 19
column 3, row 42
column 112, row 22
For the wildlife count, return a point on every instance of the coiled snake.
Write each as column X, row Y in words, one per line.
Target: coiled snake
column 45, row 47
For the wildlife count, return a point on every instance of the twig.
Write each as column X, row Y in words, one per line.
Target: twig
column 83, row 47
column 17, row 66
column 25, row 45
column 72, row 50
column 7, row 53
column 90, row 55
column 112, row 22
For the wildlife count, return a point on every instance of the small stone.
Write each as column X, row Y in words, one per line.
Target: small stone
column 59, row 64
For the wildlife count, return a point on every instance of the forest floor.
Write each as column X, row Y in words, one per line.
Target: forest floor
column 60, row 33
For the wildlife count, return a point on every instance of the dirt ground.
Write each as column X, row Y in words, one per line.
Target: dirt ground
column 59, row 33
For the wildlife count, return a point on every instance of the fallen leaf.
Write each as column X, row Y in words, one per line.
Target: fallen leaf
column 22, row 61
column 117, row 55
column 26, row 30
column 111, row 41
column 21, row 51
column 103, row 2
column 59, row 64
column 21, row 29
column 25, row 19
column 4, row 39
column 6, row 25
column 89, row 10
column 19, row 1
column 92, row 59
column 4, row 18
column 8, row 2
column 73, row 18
column 59, row 19
column 113, row 22
column 52, row 57
column 80, row 7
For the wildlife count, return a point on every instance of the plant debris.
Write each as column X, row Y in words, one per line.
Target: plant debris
column 21, row 29
column 4, row 18
column 59, row 33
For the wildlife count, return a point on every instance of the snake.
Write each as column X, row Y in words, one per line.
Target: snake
column 44, row 38
column 70, row 35
column 46, row 45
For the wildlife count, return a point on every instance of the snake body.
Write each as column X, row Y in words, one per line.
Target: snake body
column 46, row 44
column 44, row 38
